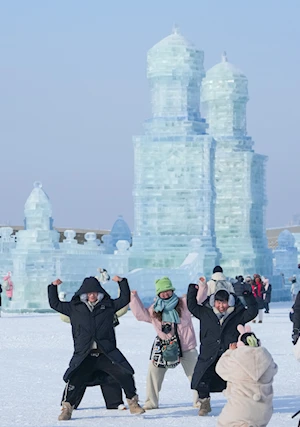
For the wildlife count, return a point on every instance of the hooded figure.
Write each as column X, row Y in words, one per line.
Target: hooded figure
column 249, row 371
column 91, row 312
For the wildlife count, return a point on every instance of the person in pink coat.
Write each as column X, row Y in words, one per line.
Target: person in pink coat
column 249, row 370
column 168, row 314
column 8, row 285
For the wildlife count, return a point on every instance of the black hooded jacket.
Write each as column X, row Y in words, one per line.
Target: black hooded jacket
column 214, row 336
column 92, row 326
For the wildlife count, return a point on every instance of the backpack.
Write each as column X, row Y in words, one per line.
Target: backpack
column 221, row 284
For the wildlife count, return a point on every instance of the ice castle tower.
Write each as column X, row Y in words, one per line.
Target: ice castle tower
column 239, row 174
column 286, row 255
column 35, row 253
column 173, row 161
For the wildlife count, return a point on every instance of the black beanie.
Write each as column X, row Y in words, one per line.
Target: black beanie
column 218, row 269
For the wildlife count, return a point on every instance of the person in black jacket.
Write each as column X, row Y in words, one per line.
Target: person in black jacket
column 220, row 314
column 240, row 287
column 295, row 318
column 91, row 313
column 0, row 298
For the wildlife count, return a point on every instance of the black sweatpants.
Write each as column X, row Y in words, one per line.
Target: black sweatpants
column 209, row 381
column 84, row 375
column 111, row 391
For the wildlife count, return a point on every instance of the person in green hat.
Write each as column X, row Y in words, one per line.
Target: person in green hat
column 175, row 342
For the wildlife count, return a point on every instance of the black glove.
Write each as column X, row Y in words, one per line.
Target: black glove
column 247, row 293
column 295, row 335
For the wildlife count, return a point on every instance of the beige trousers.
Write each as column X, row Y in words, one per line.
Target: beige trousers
column 156, row 376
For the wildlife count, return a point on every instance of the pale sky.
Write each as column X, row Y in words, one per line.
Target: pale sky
column 73, row 92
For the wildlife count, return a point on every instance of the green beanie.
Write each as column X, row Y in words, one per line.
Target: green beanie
column 163, row 284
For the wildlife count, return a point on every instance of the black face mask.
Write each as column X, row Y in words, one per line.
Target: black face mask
column 166, row 328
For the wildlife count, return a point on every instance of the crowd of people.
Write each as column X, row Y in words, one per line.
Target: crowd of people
column 223, row 307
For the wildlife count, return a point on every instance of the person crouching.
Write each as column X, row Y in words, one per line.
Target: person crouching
column 219, row 314
column 249, row 370
column 91, row 312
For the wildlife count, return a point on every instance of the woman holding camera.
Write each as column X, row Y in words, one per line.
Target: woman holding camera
column 175, row 342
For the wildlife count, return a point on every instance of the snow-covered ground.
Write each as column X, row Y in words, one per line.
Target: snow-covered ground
column 35, row 351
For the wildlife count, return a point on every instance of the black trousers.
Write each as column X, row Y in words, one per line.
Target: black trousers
column 267, row 307
column 84, row 375
column 210, row 382
column 112, row 394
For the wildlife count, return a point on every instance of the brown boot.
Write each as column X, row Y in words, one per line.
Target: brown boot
column 134, row 406
column 260, row 321
column 66, row 412
column 205, row 407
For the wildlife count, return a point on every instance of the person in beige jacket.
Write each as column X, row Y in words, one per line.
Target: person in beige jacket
column 218, row 281
column 249, row 370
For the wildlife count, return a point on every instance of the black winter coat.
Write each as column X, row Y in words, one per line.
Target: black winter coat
column 296, row 315
column 214, row 337
column 95, row 326
column 268, row 294
column 240, row 288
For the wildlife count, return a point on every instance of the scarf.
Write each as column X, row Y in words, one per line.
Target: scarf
column 167, row 307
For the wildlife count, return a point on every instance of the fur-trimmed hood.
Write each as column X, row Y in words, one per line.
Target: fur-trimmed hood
column 90, row 284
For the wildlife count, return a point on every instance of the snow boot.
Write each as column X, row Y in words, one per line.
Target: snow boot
column 205, row 407
column 66, row 412
column 134, row 406
column 148, row 407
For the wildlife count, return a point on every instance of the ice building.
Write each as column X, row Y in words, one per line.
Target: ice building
column 7, row 243
column 239, row 174
column 120, row 231
column 174, row 164
column 36, row 257
column 286, row 255
column 297, row 244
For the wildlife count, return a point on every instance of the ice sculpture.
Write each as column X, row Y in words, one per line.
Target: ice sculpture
column 239, row 174
column 173, row 178
column 297, row 244
column 7, row 243
column 34, row 254
column 38, row 257
column 286, row 255
column 120, row 231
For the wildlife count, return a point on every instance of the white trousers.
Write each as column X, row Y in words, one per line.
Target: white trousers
column 260, row 315
column 156, row 376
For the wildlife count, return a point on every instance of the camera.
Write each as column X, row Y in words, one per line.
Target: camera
column 166, row 328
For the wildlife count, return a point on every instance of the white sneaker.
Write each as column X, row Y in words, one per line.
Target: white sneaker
column 122, row 407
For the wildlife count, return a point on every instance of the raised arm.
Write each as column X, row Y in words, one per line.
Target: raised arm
column 252, row 308
column 54, row 302
column 192, row 302
column 124, row 297
column 140, row 312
